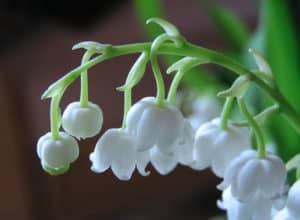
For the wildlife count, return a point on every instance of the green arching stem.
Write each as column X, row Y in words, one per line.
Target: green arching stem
column 160, row 85
column 188, row 49
column 84, row 90
column 226, row 112
column 256, row 128
column 174, row 86
column 54, row 118
column 127, row 105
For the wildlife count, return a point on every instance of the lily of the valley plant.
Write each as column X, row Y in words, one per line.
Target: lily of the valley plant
column 155, row 131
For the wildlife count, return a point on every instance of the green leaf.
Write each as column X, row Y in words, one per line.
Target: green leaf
column 229, row 25
column 282, row 53
column 283, row 49
column 149, row 9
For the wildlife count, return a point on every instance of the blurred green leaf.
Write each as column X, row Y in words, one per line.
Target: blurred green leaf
column 228, row 24
column 282, row 52
column 149, row 9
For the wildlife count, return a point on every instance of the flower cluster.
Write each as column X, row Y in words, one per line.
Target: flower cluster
column 162, row 136
column 253, row 186
column 58, row 152
column 155, row 131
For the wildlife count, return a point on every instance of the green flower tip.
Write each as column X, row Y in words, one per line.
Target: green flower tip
column 55, row 171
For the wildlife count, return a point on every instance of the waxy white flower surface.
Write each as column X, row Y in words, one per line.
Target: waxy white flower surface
column 257, row 208
column 250, row 176
column 115, row 149
column 292, row 209
column 217, row 147
column 163, row 163
column 82, row 122
column 142, row 160
column 183, row 150
column 57, row 154
column 154, row 125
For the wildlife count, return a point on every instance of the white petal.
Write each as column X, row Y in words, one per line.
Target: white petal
column 163, row 163
column 247, row 180
column 184, row 149
column 234, row 167
column 284, row 215
column 59, row 153
column 116, row 148
column 228, row 144
column 40, row 143
column 293, row 200
column 143, row 158
column 171, row 125
column 154, row 125
column 82, row 122
column 203, row 151
column 98, row 165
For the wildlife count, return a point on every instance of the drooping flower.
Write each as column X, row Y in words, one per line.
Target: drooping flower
column 154, row 125
column 217, row 147
column 203, row 109
column 257, row 208
column 82, row 122
column 56, row 155
column 291, row 211
column 250, row 176
column 115, row 149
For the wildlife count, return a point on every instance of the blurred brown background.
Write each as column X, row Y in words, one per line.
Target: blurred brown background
column 35, row 49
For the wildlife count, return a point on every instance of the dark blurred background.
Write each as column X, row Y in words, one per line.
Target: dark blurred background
column 35, row 50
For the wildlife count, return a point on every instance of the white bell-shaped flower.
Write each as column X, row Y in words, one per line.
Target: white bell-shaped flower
column 115, row 149
column 56, row 154
column 292, row 209
column 82, row 122
column 185, row 145
column 217, row 147
column 163, row 163
column 153, row 125
column 203, row 109
column 250, row 176
column 257, row 208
